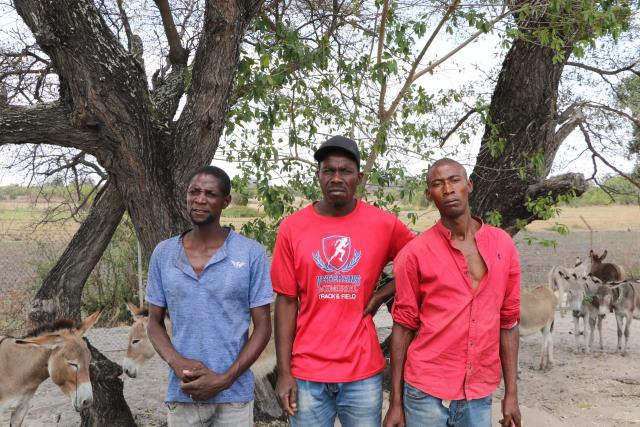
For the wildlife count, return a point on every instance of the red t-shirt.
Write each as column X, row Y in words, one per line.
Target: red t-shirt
column 455, row 354
column 332, row 265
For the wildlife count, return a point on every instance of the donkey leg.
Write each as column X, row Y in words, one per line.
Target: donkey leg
column 600, row 332
column 576, row 331
column 619, row 330
column 21, row 411
column 626, row 334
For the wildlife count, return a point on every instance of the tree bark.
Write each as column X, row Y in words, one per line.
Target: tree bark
column 106, row 109
column 109, row 408
column 60, row 293
column 523, row 116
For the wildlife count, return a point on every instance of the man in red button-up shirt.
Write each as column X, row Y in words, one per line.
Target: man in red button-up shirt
column 455, row 315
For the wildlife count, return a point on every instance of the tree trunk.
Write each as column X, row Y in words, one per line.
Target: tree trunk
column 519, row 144
column 107, row 110
column 60, row 293
column 109, row 408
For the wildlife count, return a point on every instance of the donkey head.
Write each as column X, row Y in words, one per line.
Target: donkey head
column 139, row 350
column 69, row 360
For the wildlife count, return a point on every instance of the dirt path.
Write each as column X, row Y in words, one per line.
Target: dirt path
column 597, row 389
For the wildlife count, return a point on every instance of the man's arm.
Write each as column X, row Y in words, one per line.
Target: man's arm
column 401, row 337
column 162, row 343
column 379, row 297
column 204, row 383
column 286, row 315
column 509, row 342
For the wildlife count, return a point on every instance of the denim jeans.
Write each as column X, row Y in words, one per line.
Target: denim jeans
column 422, row 409
column 356, row 403
column 210, row 414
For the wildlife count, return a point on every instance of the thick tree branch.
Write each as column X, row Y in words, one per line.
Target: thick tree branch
column 46, row 124
column 569, row 125
column 200, row 125
column 177, row 53
column 102, row 84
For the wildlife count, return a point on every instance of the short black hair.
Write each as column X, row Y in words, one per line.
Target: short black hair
column 446, row 160
column 215, row 171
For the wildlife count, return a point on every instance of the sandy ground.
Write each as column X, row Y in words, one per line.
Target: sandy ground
column 597, row 389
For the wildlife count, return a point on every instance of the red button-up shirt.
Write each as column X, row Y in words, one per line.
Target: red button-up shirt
column 455, row 353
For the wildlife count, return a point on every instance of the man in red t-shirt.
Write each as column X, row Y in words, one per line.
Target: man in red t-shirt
column 455, row 315
column 326, row 262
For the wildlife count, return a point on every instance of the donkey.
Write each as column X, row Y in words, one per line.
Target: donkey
column 582, row 299
column 54, row 350
column 139, row 348
column 624, row 300
column 605, row 271
column 558, row 283
column 537, row 310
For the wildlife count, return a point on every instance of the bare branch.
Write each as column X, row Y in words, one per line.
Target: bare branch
column 631, row 67
column 587, row 139
column 458, row 124
column 604, row 107
column 125, row 22
column 381, row 35
column 462, row 45
column 384, row 115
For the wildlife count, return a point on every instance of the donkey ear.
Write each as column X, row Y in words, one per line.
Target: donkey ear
column 134, row 310
column 47, row 341
column 88, row 322
column 578, row 262
column 604, row 254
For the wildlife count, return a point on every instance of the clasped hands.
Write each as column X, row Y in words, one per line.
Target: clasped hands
column 197, row 380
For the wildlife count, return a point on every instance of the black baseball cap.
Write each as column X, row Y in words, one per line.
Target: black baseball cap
column 340, row 143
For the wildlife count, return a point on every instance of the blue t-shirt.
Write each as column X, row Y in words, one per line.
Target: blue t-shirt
column 210, row 315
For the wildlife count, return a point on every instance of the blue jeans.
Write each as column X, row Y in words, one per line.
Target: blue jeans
column 422, row 409
column 356, row 403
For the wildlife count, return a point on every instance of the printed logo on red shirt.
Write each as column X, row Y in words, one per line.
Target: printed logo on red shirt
column 337, row 257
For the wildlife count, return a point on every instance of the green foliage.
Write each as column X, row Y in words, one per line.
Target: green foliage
column 241, row 212
column 301, row 79
column 618, row 191
column 570, row 29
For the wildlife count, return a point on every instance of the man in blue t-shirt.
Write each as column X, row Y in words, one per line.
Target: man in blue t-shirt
column 213, row 282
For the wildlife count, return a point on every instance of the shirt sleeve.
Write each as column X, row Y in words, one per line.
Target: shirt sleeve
column 155, row 291
column 405, row 307
column 283, row 265
column 260, row 292
column 401, row 235
column 510, row 310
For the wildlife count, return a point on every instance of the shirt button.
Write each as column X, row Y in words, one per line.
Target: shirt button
column 473, row 321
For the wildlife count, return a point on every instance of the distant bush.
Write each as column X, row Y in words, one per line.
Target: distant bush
column 622, row 191
column 241, row 212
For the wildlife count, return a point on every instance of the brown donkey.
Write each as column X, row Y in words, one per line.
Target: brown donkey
column 54, row 350
column 605, row 271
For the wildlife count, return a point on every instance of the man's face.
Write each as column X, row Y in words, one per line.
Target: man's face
column 205, row 199
column 339, row 178
column 449, row 189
